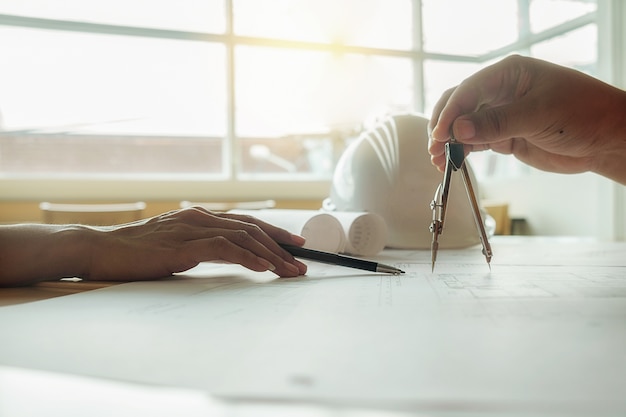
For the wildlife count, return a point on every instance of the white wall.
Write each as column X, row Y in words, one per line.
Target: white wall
column 564, row 205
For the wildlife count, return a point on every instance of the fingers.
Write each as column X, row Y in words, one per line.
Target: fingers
column 479, row 130
column 275, row 233
column 434, row 120
column 436, row 145
column 268, row 235
column 463, row 99
column 437, row 155
column 499, row 84
column 240, row 248
column 494, row 124
column 487, row 107
column 257, row 238
column 455, row 102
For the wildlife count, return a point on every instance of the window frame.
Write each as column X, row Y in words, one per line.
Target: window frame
column 163, row 188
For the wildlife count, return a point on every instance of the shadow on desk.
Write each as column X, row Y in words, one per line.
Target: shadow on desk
column 48, row 289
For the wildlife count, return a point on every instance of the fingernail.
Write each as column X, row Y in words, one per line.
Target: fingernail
column 464, row 129
column 434, row 134
column 267, row 264
column 302, row 267
column 292, row 268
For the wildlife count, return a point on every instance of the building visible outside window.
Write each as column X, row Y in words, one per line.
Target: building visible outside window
column 251, row 93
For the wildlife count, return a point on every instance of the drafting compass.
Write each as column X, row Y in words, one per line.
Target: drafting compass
column 455, row 161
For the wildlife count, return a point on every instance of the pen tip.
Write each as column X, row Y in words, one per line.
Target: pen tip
column 389, row 269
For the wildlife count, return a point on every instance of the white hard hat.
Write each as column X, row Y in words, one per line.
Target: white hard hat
column 387, row 170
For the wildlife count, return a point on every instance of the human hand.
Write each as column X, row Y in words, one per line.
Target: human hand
column 551, row 117
column 179, row 240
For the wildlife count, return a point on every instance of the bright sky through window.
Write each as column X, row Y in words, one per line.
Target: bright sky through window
column 127, row 85
column 293, row 77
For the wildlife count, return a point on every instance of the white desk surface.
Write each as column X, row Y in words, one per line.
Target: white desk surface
column 542, row 333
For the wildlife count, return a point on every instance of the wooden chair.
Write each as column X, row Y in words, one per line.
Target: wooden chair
column 500, row 213
column 92, row 214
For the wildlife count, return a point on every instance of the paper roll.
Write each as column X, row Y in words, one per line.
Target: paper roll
column 366, row 233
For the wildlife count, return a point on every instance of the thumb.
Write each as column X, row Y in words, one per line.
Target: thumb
column 490, row 125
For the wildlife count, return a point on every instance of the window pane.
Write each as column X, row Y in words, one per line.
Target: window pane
column 374, row 23
column 61, row 81
column 298, row 156
column 468, row 27
column 303, row 96
column 82, row 85
column 86, row 156
column 442, row 75
column 190, row 15
column 576, row 49
column 282, row 92
column 115, row 104
column 545, row 14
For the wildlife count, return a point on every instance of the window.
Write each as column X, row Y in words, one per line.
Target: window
column 239, row 98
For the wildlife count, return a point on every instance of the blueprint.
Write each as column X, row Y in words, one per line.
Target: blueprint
column 543, row 331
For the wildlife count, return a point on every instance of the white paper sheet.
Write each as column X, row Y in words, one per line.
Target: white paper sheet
column 543, row 332
column 26, row 393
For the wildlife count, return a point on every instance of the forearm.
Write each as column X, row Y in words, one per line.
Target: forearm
column 30, row 253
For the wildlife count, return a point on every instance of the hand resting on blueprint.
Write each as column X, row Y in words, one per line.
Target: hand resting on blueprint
column 146, row 249
column 553, row 118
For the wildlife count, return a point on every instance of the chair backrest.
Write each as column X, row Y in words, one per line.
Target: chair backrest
column 232, row 205
column 92, row 214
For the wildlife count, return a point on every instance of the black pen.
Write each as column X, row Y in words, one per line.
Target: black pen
column 335, row 259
